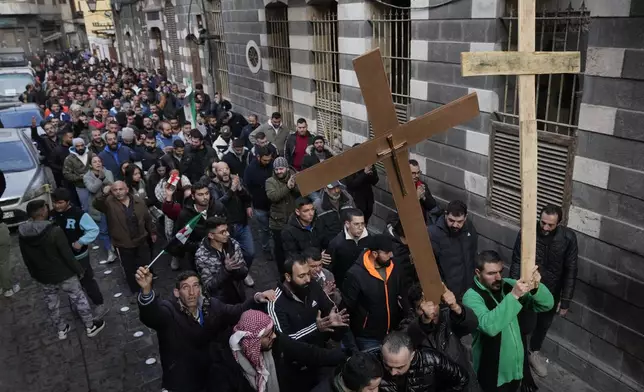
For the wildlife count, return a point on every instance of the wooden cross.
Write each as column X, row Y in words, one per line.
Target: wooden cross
column 390, row 146
column 526, row 63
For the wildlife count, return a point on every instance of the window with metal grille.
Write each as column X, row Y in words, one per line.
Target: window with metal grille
column 279, row 52
column 558, row 99
column 392, row 34
column 217, row 47
column 173, row 41
column 158, row 56
column 327, row 75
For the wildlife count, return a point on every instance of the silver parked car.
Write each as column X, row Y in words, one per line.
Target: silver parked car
column 25, row 176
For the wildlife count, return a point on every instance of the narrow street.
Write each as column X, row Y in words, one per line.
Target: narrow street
column 32, row 358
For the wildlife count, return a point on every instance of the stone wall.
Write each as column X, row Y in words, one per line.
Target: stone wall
column 607, row 316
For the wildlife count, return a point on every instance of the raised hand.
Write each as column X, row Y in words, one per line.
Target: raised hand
column 326, row 258
column 520, row 288
column 536, row 277
column 450, row 300
column 430, row 311
column 329, row 287
column 265, row 296
column 144, row 279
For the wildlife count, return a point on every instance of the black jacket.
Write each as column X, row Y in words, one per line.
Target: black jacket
column 557, row 260
column 236, row 123
column 255, row 181
column 445, row 337
column 402, row 258
column 291, row 142
column 46, row 146
column 57, row 160
column 376, row 307
column 329, row 220
column 344, row 253
column 430, row 371
column 235, row 202
column 199, row 161
column 246, row 131
column 311, row 159
column 455, row 254
column 174, row 163
column 296, row 363
column 296, row 238
column 46, row 252
column 236, row 164
column 184, row 344
column 296, row 317
column 149, row 158
column 360, row 187
column 199, row 232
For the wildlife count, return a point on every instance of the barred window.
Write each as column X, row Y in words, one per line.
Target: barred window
column 558, row 100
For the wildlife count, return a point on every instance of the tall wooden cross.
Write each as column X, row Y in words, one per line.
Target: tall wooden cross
column 526, row 63
column 390, row 146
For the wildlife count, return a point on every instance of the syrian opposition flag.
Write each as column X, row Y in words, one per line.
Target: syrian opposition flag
column 180, row 238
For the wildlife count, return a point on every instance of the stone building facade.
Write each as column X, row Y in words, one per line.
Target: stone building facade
column 295, row 56
column 37, row 25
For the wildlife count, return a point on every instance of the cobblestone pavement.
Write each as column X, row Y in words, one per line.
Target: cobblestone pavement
column 32, row 359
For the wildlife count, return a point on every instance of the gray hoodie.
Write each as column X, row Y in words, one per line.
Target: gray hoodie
column 46, row 252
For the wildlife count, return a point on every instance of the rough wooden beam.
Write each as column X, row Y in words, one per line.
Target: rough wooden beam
column 519, row 63
column 356, row 158
column 528, row 142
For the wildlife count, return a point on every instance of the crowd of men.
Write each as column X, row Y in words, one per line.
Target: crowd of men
column 347, row 314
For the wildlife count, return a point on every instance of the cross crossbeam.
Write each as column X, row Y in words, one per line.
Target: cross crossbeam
column 390, row 147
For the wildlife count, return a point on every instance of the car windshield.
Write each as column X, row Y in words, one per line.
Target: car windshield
column 19, row 119
column 14, row 83
column 14, row 157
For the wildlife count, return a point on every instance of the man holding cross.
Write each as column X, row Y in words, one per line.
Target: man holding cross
column 497, row 350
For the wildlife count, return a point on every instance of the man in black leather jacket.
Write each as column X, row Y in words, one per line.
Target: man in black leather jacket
column 417, row 370
column 441, row 327
column 556, row 256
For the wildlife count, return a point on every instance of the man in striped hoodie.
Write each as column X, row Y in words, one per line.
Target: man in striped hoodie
column 302, row 309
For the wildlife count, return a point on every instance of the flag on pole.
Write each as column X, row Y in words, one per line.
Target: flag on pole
column 179, row 239
column 184, row 233
column 190, row 109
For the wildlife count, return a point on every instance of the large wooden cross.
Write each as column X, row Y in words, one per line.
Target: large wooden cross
column 390, row 146
column 526, row 63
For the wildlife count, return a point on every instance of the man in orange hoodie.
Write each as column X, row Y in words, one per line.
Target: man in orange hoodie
column 374, row 294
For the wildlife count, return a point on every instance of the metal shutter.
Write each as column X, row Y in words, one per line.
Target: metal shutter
column 555, row 158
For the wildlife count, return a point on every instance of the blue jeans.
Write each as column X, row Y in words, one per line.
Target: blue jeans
column 261, row 218
column 244, row 236
column 365, row 344
column 83, row 197
column 103, row 234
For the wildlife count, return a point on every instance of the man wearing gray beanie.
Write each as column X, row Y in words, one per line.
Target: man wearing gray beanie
column 282, row 191
column 75, row 166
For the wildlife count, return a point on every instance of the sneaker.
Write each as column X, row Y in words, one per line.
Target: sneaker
column 538, row 364
column 111, row 256
column 12, row 291
column 62, row 335
column 100, row 311
column 96, row 328
column 248, row 281
column 174, row 264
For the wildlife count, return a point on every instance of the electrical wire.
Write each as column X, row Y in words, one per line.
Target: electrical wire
column 427, row 7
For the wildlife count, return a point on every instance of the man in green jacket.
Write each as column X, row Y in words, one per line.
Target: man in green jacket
column 282, row 191
column 497, row 349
